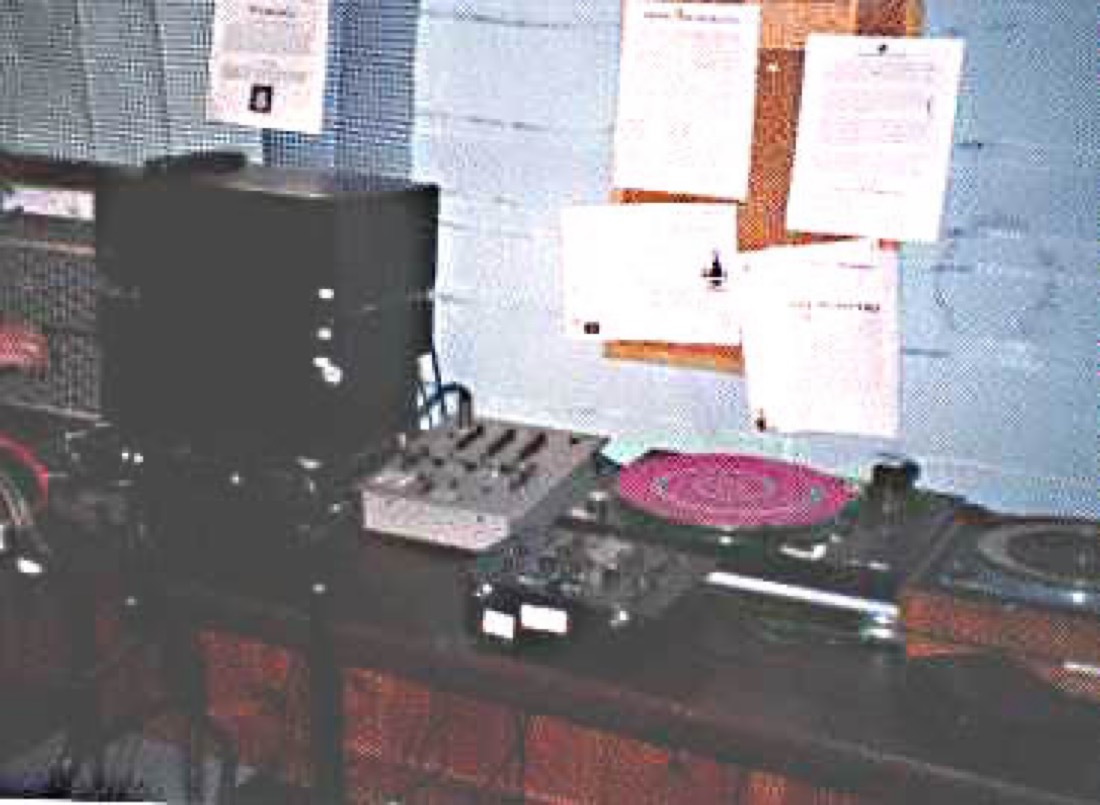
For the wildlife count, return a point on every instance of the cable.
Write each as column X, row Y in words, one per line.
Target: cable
column 28, row 460
column 434, row 356
column 287, row 712
column 422, row 394
column 20, row 541
column 515, row 758
column 438, row 397
column 15, row 504
column 416, row 756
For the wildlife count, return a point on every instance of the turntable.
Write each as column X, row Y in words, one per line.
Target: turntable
column 715, row 503
column 1024, row 588
column 811, row 546
column 815, row 550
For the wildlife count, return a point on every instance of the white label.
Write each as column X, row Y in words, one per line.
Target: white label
column 498, row 624
column 544, row 619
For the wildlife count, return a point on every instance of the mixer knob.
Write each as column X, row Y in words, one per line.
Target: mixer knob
column 892, row 481
column 465, row 412
column 894, row 474
column 598, row 504
column 522, row 477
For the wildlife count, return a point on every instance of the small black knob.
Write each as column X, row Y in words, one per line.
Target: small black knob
column 465, row 411
column 598, row 504
column 894, row 475
column 892, row 482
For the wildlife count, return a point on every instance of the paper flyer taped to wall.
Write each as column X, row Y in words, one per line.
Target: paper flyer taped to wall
column 875, row 131
column 687, row 94
column 821, row 338
column 267, row 63
column 651, row 272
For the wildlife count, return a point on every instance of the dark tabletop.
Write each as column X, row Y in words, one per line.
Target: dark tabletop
column 705, row 678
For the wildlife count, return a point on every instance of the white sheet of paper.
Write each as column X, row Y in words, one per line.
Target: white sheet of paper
column 267, row 63
column 874, row 136
column 31, row 200
column 651, row 272
column 821, row 342
column 687, row 93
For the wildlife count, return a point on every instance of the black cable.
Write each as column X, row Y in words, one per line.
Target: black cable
column 437, row 719
column 425, row 777
column 521, row 772
column 21, row 540
column 438, row 397
column 434, row 355
column 16, row 507
column 296, row 683
column 517, row 755
column 424, row 397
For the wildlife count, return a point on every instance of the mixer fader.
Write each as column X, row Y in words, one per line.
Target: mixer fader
column 471, row 484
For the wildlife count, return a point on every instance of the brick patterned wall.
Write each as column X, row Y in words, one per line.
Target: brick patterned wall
column 414, row 744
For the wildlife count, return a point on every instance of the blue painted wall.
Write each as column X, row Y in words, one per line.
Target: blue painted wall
column 510, row 109
column 1000, row 322
column 111, row 82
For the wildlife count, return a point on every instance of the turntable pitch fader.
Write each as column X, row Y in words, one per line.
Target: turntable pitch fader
column 469, row 485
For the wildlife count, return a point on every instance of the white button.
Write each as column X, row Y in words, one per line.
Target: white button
column 498, row 624
column 326, row 293
column 28, row 567
column 544, row 619
column 324, row 334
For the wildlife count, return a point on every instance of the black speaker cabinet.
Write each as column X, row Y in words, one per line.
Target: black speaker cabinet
column 263, row 312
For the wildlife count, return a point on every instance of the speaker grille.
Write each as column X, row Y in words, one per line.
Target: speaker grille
column 48, row 279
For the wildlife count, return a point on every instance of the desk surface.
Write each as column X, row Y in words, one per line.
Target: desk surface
column 703, row 679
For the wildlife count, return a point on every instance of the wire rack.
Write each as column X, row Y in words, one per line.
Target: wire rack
column 48, row 279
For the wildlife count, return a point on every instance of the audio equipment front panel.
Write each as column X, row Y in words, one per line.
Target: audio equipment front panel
column 471, row 485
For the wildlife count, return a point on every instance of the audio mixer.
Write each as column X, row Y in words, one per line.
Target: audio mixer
column 470, row 483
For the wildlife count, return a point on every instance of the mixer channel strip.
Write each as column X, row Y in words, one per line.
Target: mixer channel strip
column 471, row 487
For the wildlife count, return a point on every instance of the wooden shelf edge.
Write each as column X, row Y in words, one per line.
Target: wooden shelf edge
column 693, row 356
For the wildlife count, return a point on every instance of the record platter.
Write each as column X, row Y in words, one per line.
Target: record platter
column 732, row 493
column 1056, row 561
column 1027, row 588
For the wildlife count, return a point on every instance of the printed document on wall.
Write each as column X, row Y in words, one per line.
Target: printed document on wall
column 874, row 136
column 821, row 340
column 687, row 92
column 651, row 272
column 267, row 63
